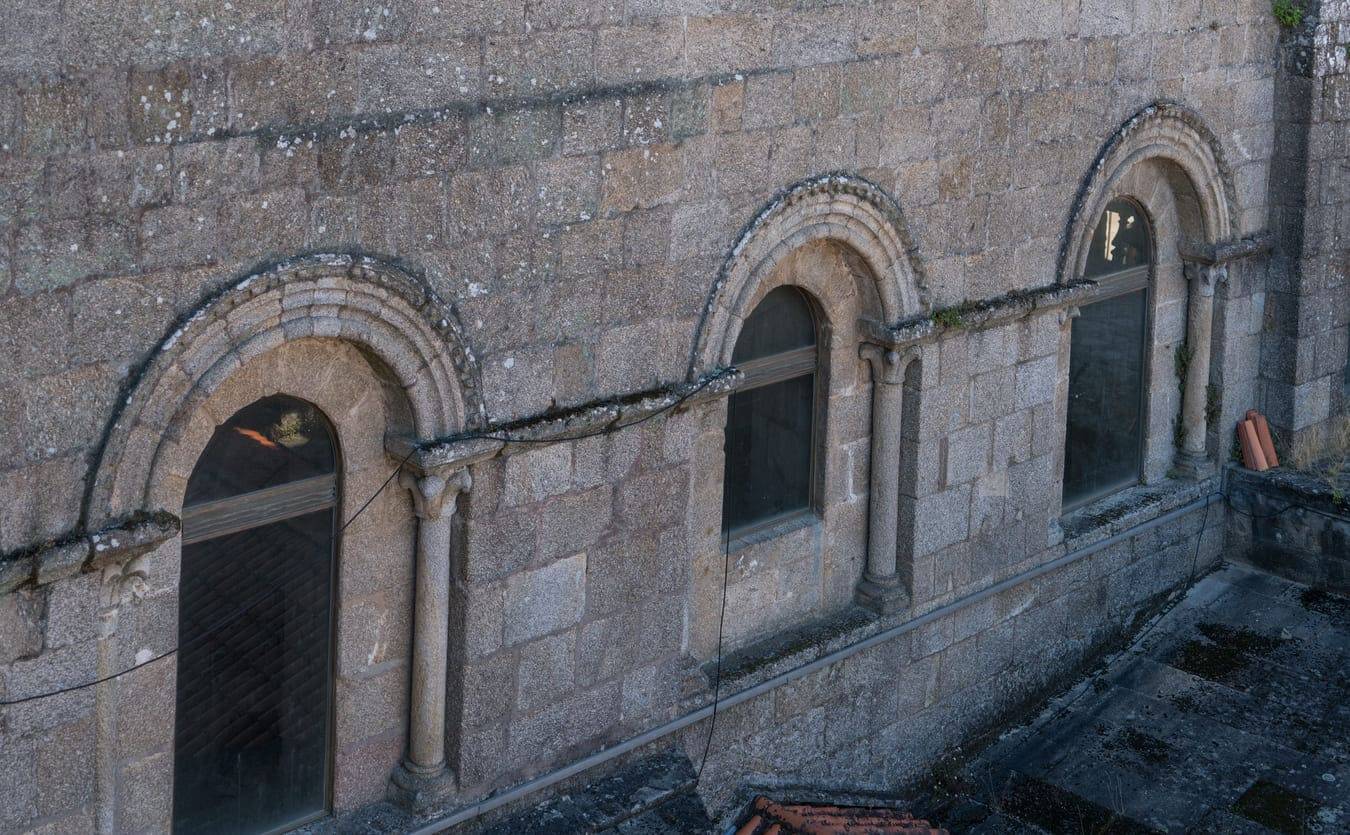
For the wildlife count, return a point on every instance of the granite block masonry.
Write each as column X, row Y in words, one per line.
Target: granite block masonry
column 507, row 248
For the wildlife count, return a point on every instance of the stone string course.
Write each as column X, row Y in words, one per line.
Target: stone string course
column 440, row 216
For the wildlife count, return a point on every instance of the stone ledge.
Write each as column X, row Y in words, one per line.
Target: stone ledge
column 1292, row 485
column 1128, row 509
column 779, row 653
column 1225, row 252
column 561, row 426
column 978, row 315
column 75, row 553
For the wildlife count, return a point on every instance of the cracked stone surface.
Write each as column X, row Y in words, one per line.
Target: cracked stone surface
column 1227, row 714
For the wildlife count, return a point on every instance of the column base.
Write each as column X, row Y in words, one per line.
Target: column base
column 1193, row 466
column 417, row 789
column 885, row 596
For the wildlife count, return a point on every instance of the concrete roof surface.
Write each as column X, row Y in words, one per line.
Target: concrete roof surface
column 1228, row 714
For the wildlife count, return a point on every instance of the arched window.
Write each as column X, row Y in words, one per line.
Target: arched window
column 770, row 438
column 255, row 624
column 1104, row 443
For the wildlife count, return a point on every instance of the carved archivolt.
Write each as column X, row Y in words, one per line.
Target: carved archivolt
column 392, row 317
column 1193, row 159
column 843, row 209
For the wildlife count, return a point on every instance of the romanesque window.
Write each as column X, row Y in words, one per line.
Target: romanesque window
column 1106, row 417
column 770, row 440
column 255, row 624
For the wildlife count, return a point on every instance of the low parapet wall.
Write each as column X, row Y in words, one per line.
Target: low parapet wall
column 1291, row 524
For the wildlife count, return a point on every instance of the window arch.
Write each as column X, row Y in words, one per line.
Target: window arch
column 1104, row 440
column 771, row 419
column 255, row 624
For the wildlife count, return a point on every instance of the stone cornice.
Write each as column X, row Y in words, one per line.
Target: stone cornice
column 976, row 315
column 509, row 438
column 76, row 553
column 1226, row 252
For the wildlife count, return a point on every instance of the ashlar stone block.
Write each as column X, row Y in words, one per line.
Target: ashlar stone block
column 547, row 669
column 537, row 474
column 545, row 600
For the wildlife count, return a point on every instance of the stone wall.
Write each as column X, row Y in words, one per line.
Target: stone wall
column 1307, row 344
column 1292, row 524
column 574, row 218
column 550, row 204
column 880, row 719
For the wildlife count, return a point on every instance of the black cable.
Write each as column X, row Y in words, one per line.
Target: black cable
column 607, row 429
column 377, row 493
column 721, row 622
column 97, row 681
column 218, row 626
column 717, row 676
column 603, row 430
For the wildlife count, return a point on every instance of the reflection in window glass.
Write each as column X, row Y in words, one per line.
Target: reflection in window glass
column 1121, row 241
column 254, row 687
column 781, row 322
column 274, row 441
column 768, row 451
column 1104, row 441
column 770, row 423
column 1106, row 388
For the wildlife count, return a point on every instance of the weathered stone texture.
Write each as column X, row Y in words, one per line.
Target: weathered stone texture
column 570, row 177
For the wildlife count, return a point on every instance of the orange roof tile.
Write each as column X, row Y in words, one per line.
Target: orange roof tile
column 772, row 818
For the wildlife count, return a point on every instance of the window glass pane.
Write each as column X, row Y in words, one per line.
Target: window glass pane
column 1121, row 240
column 781, row 322
column 768, row 452
column 1105, row 435
column 276, row 440
column 254, row 625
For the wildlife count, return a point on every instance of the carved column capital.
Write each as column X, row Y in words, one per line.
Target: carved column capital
column 1205, row 278
column 1068, row 314
column 124, row 583
column 888, row 364
column 432, row 491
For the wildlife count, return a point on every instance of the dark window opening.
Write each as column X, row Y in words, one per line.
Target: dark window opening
column 770, row 435
column 1104, row 441
column 255, row 622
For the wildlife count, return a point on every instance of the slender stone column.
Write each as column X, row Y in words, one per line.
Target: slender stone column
column 1192, row 458
column 434, row 498
column 881, row 588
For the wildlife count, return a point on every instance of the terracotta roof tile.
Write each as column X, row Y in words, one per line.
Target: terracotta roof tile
column 770, row 818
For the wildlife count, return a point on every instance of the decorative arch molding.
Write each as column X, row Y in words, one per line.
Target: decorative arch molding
column 1201, row 178
column 400, row 324
column 841, row 208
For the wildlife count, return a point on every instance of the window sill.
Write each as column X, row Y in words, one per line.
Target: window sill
column 778, row 653
column 1119, row 512
column 739, row 540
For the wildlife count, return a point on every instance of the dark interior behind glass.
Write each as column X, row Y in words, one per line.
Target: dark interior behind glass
column 1106, row 378
column 770, row 425
column 1104, row 440
column 251, row 740
column 768, row 470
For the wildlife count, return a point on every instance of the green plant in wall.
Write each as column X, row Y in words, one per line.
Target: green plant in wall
column 1212, row 404
column 1287, row 13
column 949, row 317
column 1181, row 363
